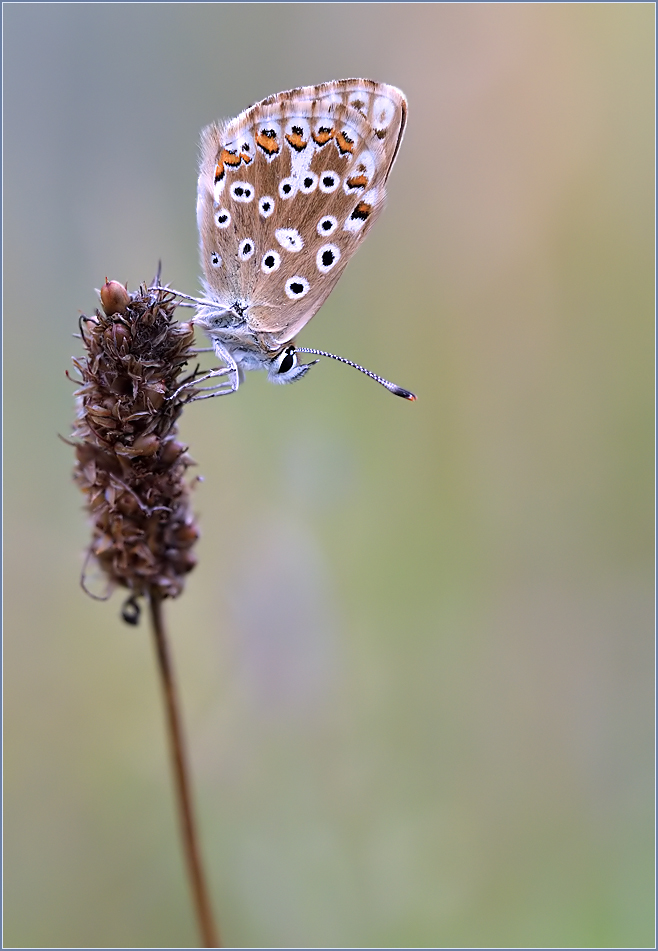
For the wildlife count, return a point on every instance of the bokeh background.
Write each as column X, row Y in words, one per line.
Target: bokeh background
column 416, row 657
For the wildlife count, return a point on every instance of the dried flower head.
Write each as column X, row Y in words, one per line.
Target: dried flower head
column 130, row 465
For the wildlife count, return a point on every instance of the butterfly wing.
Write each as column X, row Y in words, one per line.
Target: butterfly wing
column 286, row 193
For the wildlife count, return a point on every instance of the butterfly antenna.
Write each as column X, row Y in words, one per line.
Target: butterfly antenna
column 392, row 387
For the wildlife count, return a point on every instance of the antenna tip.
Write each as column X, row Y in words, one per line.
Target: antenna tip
column 405, row 394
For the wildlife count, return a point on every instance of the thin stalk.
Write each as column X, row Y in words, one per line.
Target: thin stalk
column 209, row 933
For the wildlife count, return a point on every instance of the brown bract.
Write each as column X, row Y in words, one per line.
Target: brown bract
column 130, row 464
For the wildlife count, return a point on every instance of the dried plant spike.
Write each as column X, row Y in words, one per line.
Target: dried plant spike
column 130, row 464
column 114, row 298
column 132, row 469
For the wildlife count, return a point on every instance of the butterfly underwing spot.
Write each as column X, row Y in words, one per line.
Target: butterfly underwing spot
column 329, row 182
column 246, row 249
column 363, row 174
column 308, row 183
column 242, row 191
column 354, row 183
column 267, row 140
column 327, row 257
column 215, row 259
column 297, row 287
column 323, row 134
column 229, row 157
column 359, row 101
column 271, row 262
column 289, row 238
column 266, row 206
column 383, row 113
column 297, row 137
column 345, row 142
column 287, row 187
column 327, row 225
column 358, row 218
column 246, row 149
column 222, row 218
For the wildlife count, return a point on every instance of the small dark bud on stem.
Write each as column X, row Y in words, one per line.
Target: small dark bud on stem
column 114, row 298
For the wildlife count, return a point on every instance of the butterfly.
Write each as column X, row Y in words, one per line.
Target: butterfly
column 286, row 193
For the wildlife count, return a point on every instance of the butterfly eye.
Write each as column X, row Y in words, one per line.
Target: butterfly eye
column 285, row 368
column 287, row 360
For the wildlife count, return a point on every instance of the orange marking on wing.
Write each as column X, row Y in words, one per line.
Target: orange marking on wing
column 232, row 159
column 344, row 143
column 357, row 181
column 323, row 135
column 362, row 210
column 296, row 141
column 219, row 172
column 266, row 139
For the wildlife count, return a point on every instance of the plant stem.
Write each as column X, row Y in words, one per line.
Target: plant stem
column 209, row 934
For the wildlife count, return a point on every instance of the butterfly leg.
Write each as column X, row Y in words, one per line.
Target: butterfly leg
column 193, row 383
column 225, row 387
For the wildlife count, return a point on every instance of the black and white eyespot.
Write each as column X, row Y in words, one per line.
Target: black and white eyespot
column 327, row 225
column 297, row 287
column 287, row 187
column 329, row 182
column 308, row 183
column 327, row 258
column 246, row 249
column 242, row 191
column 289, row 238
column 271, row 262
column 215, row 260
column 266, row 206
column 222, row 218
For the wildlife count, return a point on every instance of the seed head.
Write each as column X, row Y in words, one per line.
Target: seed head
column 130, row 464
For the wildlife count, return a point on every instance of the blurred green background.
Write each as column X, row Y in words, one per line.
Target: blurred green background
column 416, row 657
